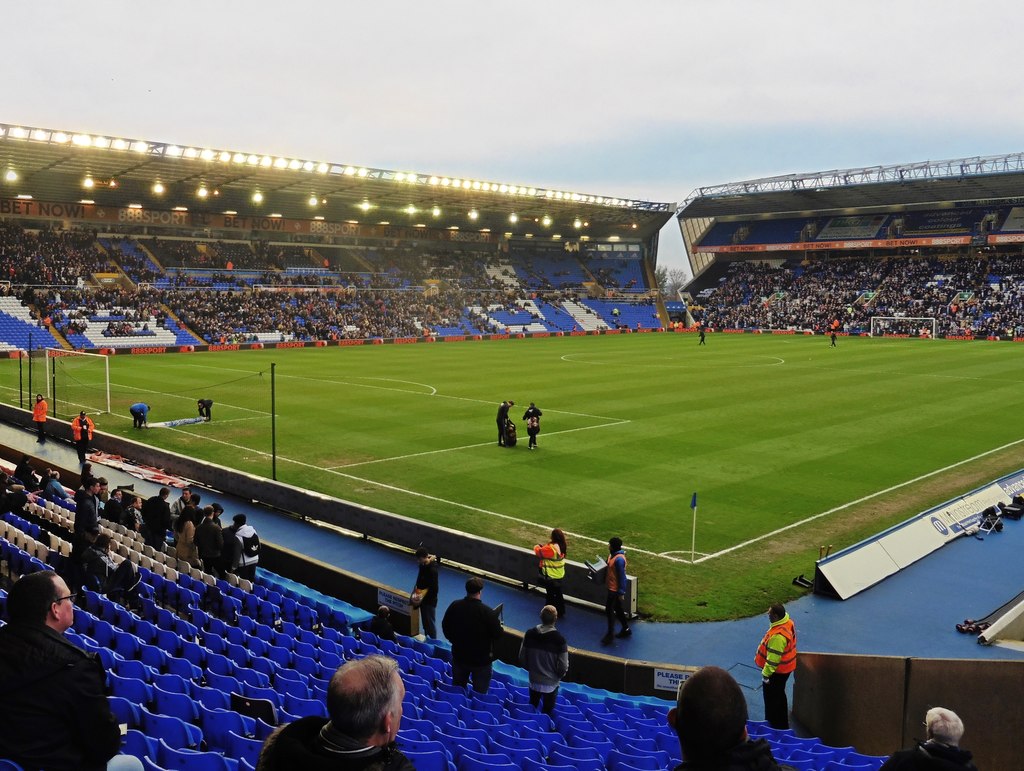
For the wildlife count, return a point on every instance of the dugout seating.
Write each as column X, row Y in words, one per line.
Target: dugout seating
column 175, row 670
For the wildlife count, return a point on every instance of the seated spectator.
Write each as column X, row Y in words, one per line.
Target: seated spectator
column 380, row 624
column 113, row 507
column 119, row 582
column 54, row 490
column 940, row 751
column 27, row 475
column 55, row 712
column 710, row 718
column 364, row 702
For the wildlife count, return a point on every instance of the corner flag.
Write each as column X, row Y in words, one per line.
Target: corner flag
column 693, row 501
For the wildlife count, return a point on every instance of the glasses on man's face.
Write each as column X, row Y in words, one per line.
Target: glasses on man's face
column 71, row 597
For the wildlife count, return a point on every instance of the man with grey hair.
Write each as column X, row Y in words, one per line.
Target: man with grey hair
column 940, row 751
column 364, row 702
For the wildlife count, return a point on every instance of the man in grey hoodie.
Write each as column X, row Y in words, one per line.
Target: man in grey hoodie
column 545, row 655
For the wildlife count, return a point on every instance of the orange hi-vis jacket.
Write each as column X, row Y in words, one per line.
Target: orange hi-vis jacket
column 76, row 427
column 39, row 410
column 612, row 575
column 777, row 651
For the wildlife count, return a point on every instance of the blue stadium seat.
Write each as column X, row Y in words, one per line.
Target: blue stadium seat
column 435, row 760
column 138, row 745
column 188, row 760
column 518, row 749
column 177, row 705
column 124, row 711
column 135, row 691
column 482, row 761
column 244, row 747
column 174, row 731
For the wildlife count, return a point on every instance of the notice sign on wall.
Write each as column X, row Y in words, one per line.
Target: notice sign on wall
column 669, row 679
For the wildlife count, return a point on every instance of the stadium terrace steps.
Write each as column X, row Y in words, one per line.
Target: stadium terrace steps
column 17, row 324
column 587, row 318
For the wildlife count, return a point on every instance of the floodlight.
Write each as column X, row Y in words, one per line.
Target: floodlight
column 559, row 195
column 11, row 175
column 473, row 214
column 420, row 225
column 40, row 136
column 101, row 142
column 577, row 224
column 503, row 189
column 225, row 156
column 82, row 140
column 410, row 209
column 18, row 133
column 556, row 236
column 280, row 163
column 294, row 165
column 549, row 193
column 135, row 206
column 634, row 226
column 257, row 197
column 112, row 183
column 231, row 212
column 453, row 227
column 118, row 144
column 60, row 137
column 528, row 235
column 323, row 168
column 253, row 160
column 575, row 197
column 436, row 211
column 363, row 172
column 88, row 182
column 384, row 222
column 179, row 208
column 171, row 151
column 206, row 155
column 400, row 176
column 313, row 200
column 307, row 166
column 466, row 184
column 434, row 180
column 238, row 157
column 349, row 171
column 202, row 192
column 158, row 188
column 485, row 230
column 319, row 217
column 24, row 196
column 513, row 218
column 140, row 147
column 613, row 238
column 87, row 201
column 275, row 214
column 455, row 182
column 445, row 182
column 532, row 191
column 365, row 206
column 546, row 221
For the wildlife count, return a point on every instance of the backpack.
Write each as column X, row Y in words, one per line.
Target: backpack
column 251, row 546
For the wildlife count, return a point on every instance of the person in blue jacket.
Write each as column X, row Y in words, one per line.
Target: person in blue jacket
column 140, row 414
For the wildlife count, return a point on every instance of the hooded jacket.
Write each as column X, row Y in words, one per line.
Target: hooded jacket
column 297, row 745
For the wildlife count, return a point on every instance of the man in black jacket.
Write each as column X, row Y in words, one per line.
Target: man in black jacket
column 424, row 593
column 87, row 517
column 55, row 712
column 503, row 409
column 156, row 519
column 472, row 628
column 940, row 751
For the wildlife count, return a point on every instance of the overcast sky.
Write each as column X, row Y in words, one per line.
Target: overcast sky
column 629, row 99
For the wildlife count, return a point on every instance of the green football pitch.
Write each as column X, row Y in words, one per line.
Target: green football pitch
column 789, row 444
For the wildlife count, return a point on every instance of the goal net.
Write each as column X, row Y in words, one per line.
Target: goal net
column 77, row 381
column 904, row 326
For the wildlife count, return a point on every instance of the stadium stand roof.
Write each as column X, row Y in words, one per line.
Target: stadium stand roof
column 930, row 182
column 53, row 165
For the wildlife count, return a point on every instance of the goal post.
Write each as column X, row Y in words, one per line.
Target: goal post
column 905, row 326
column 77, row 381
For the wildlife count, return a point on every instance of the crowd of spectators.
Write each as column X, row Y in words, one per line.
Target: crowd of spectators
column 48, row 257
column 966, row 296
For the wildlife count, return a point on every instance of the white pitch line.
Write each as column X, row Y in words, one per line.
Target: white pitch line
column 859, row 500
column 406, row 391
column 260, row 413
column 464, row 447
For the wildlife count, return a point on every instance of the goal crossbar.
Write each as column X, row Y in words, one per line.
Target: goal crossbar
column 904, row 326
column 92, row 381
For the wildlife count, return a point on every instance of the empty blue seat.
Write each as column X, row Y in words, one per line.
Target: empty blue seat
column 243, row 747
column 218, row 724
column 429, row 760
column 135, row 691
column 482, row 761
column 188, row 760
column 177, row 705
column 124, row 711
column 175, row 732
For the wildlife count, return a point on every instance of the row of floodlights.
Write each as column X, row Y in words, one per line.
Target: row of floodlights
column 266, row 161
